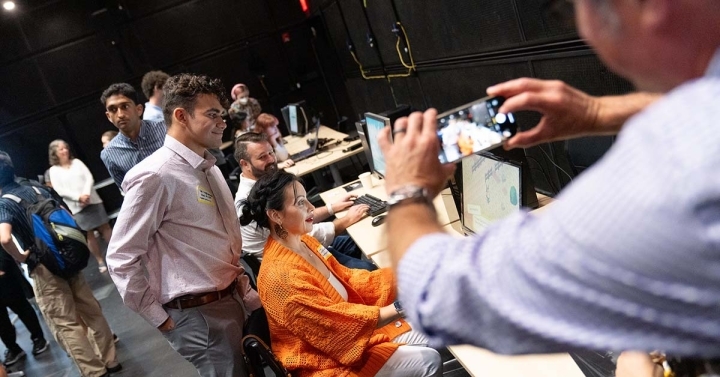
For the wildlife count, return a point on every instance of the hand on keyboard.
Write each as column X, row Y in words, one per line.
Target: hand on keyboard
column 344, row 203
column 357, row 213
column 286, row 164
column 377, row 206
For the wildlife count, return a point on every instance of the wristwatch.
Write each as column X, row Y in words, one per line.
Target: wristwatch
column 409, row 193
column 399, row 308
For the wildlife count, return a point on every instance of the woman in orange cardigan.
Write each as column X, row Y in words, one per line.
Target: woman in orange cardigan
column 327, row 320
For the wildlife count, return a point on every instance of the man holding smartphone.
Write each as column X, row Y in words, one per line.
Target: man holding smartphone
column 626, row 258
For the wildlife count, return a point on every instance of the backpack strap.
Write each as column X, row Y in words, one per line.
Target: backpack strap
column 38, row 194
column 13, row 198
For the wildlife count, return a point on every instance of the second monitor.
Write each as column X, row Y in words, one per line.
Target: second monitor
column 296, row 118
column 491, row 188
column 373, row 124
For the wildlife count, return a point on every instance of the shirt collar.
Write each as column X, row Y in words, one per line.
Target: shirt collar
column 203, row 163
column 141, row 135
column 156, row 107
column 245, row 181
column 714, row 67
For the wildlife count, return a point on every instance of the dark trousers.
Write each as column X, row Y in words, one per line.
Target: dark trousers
column 27, row 315
column 346, row 251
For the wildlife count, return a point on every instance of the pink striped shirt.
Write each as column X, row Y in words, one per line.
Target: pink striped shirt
column 170, row 239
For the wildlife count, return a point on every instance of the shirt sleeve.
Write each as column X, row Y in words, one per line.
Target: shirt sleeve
column 60, row 184
column 300, row 305
column 89, row 180
column 139, row 219
column 324, row 232
column 376, row 287
column 254, row 108
column 281, row 152
column 625, row 258
column 115, row 171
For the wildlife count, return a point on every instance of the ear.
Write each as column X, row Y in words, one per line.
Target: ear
column 274, row 216
column 109, row 116
column 656, row 14
column 180, row 115
column 139, row 109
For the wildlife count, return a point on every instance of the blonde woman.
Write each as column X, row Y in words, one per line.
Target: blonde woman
column 74, row 182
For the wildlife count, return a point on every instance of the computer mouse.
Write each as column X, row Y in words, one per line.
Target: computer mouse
column 378, row 220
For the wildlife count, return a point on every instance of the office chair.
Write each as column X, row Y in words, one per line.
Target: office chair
column 256, row 349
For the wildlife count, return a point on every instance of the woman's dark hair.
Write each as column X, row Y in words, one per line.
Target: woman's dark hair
column 267, row 193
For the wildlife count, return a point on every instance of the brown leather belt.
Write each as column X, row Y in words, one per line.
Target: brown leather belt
column 192, row 301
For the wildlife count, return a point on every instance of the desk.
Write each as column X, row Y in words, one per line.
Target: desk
column 325, row 158
column 359, row 231
column 477, row 361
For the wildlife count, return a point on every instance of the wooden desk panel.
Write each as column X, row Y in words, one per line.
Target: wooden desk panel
column 481, row 363
column 325, row 158
column 372, row 240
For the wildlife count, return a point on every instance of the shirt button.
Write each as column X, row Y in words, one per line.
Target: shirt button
column 398, row 324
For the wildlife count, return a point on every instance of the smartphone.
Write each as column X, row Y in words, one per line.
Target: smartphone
column 472, row 128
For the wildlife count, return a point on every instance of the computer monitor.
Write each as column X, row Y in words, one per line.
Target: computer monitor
column 374, row 123
column 362, row 134
column 296, row 118
column 491, row 188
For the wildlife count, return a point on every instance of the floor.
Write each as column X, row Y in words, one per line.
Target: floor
column 142, row 350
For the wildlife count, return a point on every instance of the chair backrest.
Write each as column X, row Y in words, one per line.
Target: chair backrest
column 258, row 354
column 256, row 348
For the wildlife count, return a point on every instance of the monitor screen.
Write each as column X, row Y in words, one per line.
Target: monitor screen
column 374, row 125
column 491, row 190
column 292, row 119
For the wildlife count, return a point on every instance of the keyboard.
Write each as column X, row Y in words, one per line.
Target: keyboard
column 377, row 206
column 303, row 155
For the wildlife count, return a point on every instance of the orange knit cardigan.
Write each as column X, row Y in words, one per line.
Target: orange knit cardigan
column 314, row 332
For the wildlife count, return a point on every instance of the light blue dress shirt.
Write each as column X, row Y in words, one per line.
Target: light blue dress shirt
column 628, row 257
column 153, row 113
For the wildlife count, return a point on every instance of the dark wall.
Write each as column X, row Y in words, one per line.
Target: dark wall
column 56, row 58
column 460, row 47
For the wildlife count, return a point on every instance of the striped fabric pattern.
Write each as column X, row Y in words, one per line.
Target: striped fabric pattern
column 628, row 257
column 122, row 154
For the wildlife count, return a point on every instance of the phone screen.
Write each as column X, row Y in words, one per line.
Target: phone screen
column 473, row 128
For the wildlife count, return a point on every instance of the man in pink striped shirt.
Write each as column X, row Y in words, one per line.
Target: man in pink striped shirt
column 174, row 256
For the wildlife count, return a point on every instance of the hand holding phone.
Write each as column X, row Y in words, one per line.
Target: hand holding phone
column 473, row 128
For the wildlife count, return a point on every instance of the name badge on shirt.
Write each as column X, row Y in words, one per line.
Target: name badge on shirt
column 204, row 196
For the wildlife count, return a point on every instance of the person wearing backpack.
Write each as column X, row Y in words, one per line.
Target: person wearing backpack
column 61, row 291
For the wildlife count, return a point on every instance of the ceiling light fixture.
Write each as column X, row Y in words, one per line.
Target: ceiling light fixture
column 9, row 5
